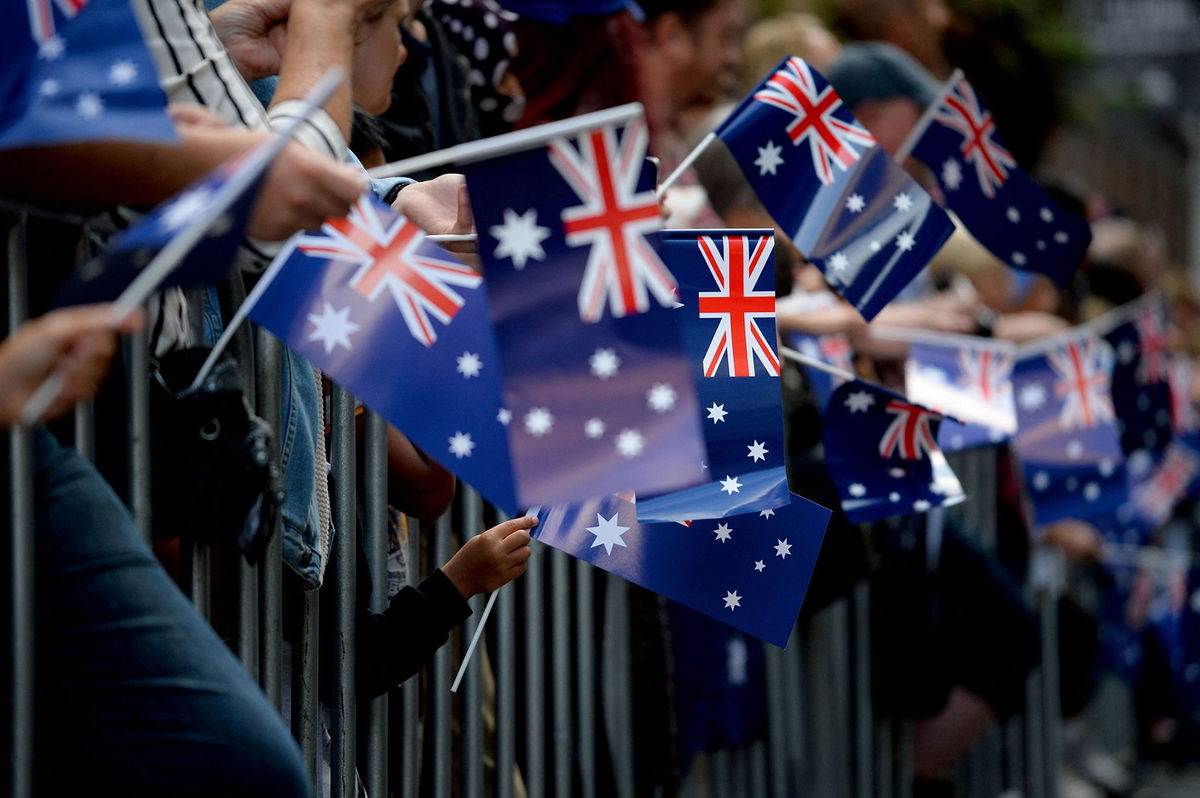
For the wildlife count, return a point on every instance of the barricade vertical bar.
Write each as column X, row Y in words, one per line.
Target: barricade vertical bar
column 795, row 726
column 85, row 431
column 199, row 569
column 758, row 768
column 535, row 683
column 306, row 711
column 885, row 754
column 617, row 696
column 1051, row 713
column 864, row 719
column 472, row 700
column 777, row 711
column 506, row 691
column 837, row 657
column 268, row 363
column 20, row 553
column 1035, row 752
column 585, row 675
column 375, row 541
column 410, row 691
column 137, row 375
column 904, row 760
column 439, row 682
column 560, row 662
column 342, row 638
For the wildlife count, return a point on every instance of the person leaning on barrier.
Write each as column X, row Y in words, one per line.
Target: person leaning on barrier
column 135, row 693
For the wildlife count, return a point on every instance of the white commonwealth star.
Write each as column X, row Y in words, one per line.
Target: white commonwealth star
column 768, row 513
column 1013, row 214
column 1061, row 237
column 857, row 490
column 717, row 412
column 608, row 533
column 896, row 473
column 520, row 237
column 723, row 532
column 920, row 505
column 1041, row 481
column 1091, row 491
column 604, row 363
column 1047, row 215
column 894, row 496
column 661, row 397
column 1126, row 352
column 768, row 158
column 875, row 246
column 52, row 49
column 838, row 264
column 469, row 365
column 782, row 548
column 855, row 203
column 538, row 421
column 902, row 202
column 1018, row 259
column 184, row 208
column 630, row 443
column 1106, row 467
column 732, row 599
column 89, row 105
column 332, row 327
column 593, row 428
column 758, row 451
column 730, row 485
column 951, row 174
column 461, row 445
column 905, row 241
column 504, row 415
column 760, row 566
column 859, row 401
column 122, row 73
column 49, row 87
column 1075, row 449
column 1032, row 396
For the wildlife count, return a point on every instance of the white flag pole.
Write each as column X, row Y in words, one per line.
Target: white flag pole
column 919, row 129
column 696, row 152
column 921, row 336
column 452, row 238
column 487, row 610
column 509, row 142
column 816, row 363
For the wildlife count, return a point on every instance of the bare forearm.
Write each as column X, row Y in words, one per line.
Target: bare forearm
column 319, row 37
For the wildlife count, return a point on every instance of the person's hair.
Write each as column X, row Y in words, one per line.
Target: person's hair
column 769, row 40
column 689, row 10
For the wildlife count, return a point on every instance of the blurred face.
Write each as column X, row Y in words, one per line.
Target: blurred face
column 378, row 53
column 716, row 52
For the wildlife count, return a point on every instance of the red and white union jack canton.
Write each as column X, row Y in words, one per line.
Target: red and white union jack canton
column 623, row 271
column 986, row 373
column 961, row 111
column 41, row 16
column 387, row 248
column 1156, row 496
column 834, row 143
column 736, row 267
column 1152, row 367
column 909, row 434
column 1083, row 384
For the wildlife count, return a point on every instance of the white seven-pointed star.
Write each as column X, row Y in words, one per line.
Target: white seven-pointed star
column 875, row 246
column 838, row 264
column 122, row 73
column 723, row 532
column 469, row 365
column 185, row 208
column 520, row 237
column 768, row 158
column 1091, row 491
column 1032, row 396
column 608, row 533
column 52, row 49
column 782, row 548
column 857, row 490
column 89, row 105
column 902, row 202
column 1041, row 480
column 920, row 505
column 504, row 415
column 767, row 513
column 1013, row 214
column 1075, row 449
column 730, row 485
column 661, row 397
column 630, row 443
column 758, row 451
column 49, row 87
column 1047, row 215
column 717, row 412
column 951, row 174
column 593, row 428
column 855, row 203
column 604, row 363
column 538, row 421
column 332, row 327
column 461, row 445
column 905, row 241
column 860, row 401
column 732, row 599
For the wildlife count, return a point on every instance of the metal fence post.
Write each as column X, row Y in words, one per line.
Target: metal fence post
column 585, row 676
column 864, row 715
column 535, row 683
column 137, row 377
column 777, row 708
column 560, row 662
column 410, row 691
column 375, row 541
column 471, row 748
column 269, row 623
column 439, row 721
column 617, row 697
column 342, row 638
column 506, row 692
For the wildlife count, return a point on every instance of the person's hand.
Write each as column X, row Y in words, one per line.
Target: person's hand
column 196, row 116
column 1027, row 325
column 301, row 191
column 491, row 559
column 76, row 342
column 253, row 34
column 439, row 207
column 1079, row 540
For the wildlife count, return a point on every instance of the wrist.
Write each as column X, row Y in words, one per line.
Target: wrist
column 459, row 580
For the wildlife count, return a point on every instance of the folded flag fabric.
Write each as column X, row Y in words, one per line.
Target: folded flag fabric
column 968, row 378
column 845, row 203
column 727, row 317
column 882, row 453
column 1067, row 440
column 749, row 571
column 1001, row 205
column 1173, row 479
column 833, row 350
column 1141, row 386
column 596, row 376
column 77, row 70
column 404, row 326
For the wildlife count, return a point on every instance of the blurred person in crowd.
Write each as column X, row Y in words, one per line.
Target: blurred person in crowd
column 483, row 32
column 916, row 26
column 769, row 40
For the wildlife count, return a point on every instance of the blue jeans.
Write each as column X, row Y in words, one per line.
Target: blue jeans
column 136, row 693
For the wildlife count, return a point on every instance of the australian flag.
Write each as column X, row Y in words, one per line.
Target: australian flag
column 882, row 453
column 1141, row 383
column 844, row 202
column 833, row 349
column 220, row 203
column 970, row 379
column 750, row 571
column 596, row 376
column 1001, row 205
column 727, row 316
column 77, row 70
column 404, row 326
column 1067, row 438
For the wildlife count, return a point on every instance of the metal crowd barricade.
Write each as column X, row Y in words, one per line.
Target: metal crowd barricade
column 547, row 703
